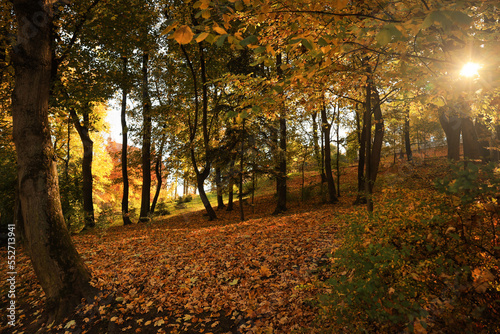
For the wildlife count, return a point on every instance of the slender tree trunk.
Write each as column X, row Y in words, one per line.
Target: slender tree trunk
column 378, row 137
column 240, row 195
column 361, row 198
column 323, row 176
column 124, row 154
column 193, row 128
column 58, row 266
column 230, row 187
column 218, row 186
column 88, row 152
column 281, row 177
column 146, row 143
column 406, row 129
column 253, row 189
column 317, row 154
column 326, row 127
column 368, row 139
column 338, row 151
column 159, row 180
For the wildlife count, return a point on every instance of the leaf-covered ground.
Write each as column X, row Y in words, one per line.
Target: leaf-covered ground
column 184, row 274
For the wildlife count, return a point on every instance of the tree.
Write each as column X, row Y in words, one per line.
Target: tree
column 326, row 127
column 281, row 150
column 146, row 142
column 124, row 155
column 58, row 266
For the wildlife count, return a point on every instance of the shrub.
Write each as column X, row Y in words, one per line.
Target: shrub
column 424, row 259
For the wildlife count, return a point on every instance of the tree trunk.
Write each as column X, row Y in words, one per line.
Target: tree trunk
column 472, row 147
column 361, row 198
column 58, row 266
column 88, row 147
column 146, row 143
column 326, row 127
column 317, row 154
column 338, row 151
column 124, row 155
column 193, row 128
column 240, row 195
column 378, row 137
column 281, row 177
column 406, row 130
column 368, row 139
column 452, row 127
column 159, row 180
column 218, row 186
column 230, row 187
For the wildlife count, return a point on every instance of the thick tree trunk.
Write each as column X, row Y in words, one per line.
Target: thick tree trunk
column 146, row 143
column 452, row 127
column 326, row 127
column 159, row 180
column 88, row 152
column 58, row 266
column 406, row 130
column 472, row 147
column 281, row 176
column 124, row 155
column 200, row 179
column 218, row 186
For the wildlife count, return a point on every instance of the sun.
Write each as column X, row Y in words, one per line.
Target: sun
column 470, row 70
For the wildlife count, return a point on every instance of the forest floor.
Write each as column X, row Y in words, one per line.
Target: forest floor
column 185, row 274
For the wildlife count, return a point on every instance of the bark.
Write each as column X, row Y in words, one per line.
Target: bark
column 88, row 148
column 361, row 198
column 230, row 187
column 218, row 186
column 338, row 151
column 472, row 147
column 317, row 154
column 124, row 154
column 452, row 127
column 193, row 128
column 240, row 195
column 159, row 180
column 281, row 176
column 368, row 139
column 378, row 136
column 406, row 130
column 146, row 143
column 326, row 127
column 58, row 266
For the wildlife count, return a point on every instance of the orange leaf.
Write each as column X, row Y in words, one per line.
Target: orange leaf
column 183, row 35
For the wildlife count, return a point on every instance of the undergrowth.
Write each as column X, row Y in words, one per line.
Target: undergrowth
column 425, row 261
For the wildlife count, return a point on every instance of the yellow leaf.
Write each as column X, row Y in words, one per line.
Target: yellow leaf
column 201, row 37
column 183, row 35
column 204, row 4
column 205, row 14
column 220, row 30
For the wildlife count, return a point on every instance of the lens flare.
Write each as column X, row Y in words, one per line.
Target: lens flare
column 470, row 70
